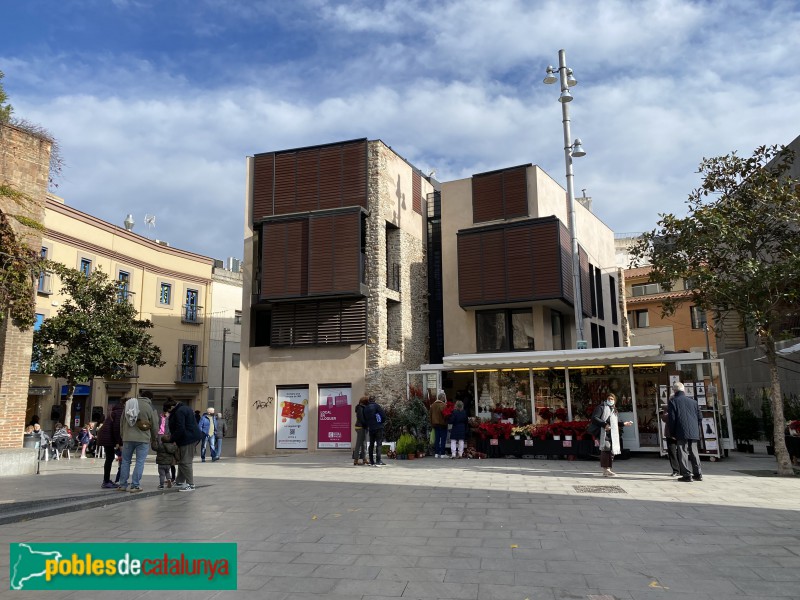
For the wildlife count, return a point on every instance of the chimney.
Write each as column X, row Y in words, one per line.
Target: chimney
column 586, row 201
column 128, row 222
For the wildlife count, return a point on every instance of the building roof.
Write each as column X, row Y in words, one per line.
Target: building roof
column 656, row 297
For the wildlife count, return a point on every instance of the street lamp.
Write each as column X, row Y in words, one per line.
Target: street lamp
column 574, row 149
column 225, row 332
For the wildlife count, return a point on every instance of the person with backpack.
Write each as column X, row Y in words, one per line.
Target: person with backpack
column 376, row 419
column 139, row 429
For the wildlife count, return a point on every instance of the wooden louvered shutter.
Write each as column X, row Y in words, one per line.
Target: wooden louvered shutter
column 487, row 197
column 469, row 270
column 262, row 186
column 494, row 266
column 307, row 180
column 285, row 183
column 546, row 248
column 515, row 193
column 284, row 265
column 416, row 192
column 354, row 174
column 519, row 264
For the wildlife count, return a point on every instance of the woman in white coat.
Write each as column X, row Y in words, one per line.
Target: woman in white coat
column 605, row 416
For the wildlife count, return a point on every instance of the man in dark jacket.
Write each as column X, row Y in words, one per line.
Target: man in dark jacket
column 684, row 419
column 376, row 419
column 110, row 438
column 184, row 432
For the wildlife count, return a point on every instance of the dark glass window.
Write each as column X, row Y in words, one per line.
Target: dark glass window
column 504, row 330
column 698, row 317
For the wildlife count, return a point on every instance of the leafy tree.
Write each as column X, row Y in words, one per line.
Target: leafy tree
column 5, row 108
column 739, row 248
column 19, row 267
column 96, row 333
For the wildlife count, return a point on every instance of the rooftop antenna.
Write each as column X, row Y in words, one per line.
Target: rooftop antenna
column 150, row 221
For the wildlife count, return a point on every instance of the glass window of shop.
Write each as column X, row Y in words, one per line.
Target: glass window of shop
column 550, row 393
column 588, row 386
column 646, row 381
column 506, row 388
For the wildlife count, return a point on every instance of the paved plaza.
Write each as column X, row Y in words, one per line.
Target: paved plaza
column 317, row 527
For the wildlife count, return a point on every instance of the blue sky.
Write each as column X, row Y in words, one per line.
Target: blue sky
column 156, row 103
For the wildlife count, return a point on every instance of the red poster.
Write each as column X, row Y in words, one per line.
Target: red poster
column 334, row 420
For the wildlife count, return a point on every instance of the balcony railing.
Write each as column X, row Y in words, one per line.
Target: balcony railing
column 192, row 313
column 45, row 285
column 189, row 373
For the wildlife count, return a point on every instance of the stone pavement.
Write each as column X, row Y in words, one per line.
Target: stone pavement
column 316, row 527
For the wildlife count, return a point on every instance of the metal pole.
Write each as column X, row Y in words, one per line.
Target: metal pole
column 708, row 344
column 576, row 274
column 222, row 383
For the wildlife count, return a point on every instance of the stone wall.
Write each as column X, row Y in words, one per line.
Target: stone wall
column 386, row 369
column 25, row 166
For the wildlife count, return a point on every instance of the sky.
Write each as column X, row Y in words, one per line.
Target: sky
column 157, row 103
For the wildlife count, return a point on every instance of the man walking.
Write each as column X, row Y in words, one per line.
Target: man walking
column 376, row 419
column 684, row 418
column 439, row 424
column 138, row 428
column 220, row 429
column 208, row 425
column 183, row 430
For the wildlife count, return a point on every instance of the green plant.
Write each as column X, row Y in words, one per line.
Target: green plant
column 406, row 444
column 745, row 423
column 791, row 407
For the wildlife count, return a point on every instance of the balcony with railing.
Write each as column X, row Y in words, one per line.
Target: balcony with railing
column 192, row 314
column 45, row 285
column 190, row 373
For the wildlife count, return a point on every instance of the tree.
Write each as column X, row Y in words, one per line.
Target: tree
column 739, row 248
column 96, row 332
column 5, row 108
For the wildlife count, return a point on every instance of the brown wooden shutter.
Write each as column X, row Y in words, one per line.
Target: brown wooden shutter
column 330, row 177
column 284, row 259
column 470, row 284
column 335, row 253
column 546, row 260
column 285, row 183
column 416, row 192
column 586, row 291
column 307, row 181
column 262, row 186
column 520, row 257
column 515, row 193
column 487, row 197
column 321, row 254
column 354, row 174
column 494, row 266
column 566, row 265
column 354, row 321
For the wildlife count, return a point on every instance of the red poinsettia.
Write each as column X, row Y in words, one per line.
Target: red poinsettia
column 506, row 412
column 448, row 409
column 546, row 413
column 495, row 431
column 561, row 413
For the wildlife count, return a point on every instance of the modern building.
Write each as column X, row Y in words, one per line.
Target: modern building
column 168, row 286
column 335, row 290
column 226, row 333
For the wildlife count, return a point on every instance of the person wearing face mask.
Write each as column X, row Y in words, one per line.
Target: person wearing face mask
column 606, row 418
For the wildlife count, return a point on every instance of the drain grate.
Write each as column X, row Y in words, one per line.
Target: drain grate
column 599, row 489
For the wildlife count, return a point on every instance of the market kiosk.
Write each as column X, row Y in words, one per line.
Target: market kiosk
column 570, row 383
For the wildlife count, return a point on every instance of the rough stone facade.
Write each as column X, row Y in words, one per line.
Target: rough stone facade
column 25, row 166
column 397, row 321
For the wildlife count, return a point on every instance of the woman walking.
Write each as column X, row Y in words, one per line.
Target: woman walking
column 458, row 419
column 605, row 416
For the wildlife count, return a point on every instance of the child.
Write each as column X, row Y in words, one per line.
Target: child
column 166, row 458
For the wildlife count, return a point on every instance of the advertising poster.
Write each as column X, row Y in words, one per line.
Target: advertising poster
column 335, row 412
column 689, row 388
column 700, row 392
column 709, row 433
column 291, row 429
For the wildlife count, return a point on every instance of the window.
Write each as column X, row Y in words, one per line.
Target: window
column 638, row 319
column 598, row 292
column 235, row 360
column 165, row 295
column 123, row 287
column 188, row 368
column 44, row 276
column 698, row 317
column 394, row 325
column 237, row 317
column 612, row 290
column 86, row 267
column 503, row 330
column 645, row 289
column 615, row 334
column 190, row 308
column 37, row 325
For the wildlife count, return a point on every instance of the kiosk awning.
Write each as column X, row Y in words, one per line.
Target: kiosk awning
column 555, row 358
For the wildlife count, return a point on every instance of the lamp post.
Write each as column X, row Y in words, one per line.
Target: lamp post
column 571, row 149
column 225, row 332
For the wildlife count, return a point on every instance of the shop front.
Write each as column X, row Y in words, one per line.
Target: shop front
column 563, row 387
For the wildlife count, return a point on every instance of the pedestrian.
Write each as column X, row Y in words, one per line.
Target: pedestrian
column 439, row 424
column 208, row 423
column 84, row 438
column 672, row 444
column 184, row 432
column 376, row 419
column 605, row 416
column 110, row 438
column 61, row 440
column 684, row 419
column 458, row 432
column 220, row 430
column 44, row 440
column 166, row 458
column 197, row 416
column 163, row 429
column 360, row 448
column 138, row 428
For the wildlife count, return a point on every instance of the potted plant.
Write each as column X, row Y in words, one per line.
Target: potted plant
column 406, row 446
column 745, row 425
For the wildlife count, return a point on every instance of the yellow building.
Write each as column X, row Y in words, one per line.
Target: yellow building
column 170, row 287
